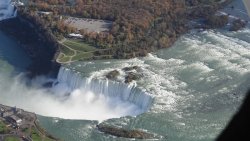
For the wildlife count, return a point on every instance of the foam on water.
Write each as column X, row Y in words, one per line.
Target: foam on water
column 121, row 91
column 198, row 82
column 203, row 73
column 197, row 85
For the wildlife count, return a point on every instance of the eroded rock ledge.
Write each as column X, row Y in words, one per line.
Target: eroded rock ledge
column 124, row 133
column 131, row 74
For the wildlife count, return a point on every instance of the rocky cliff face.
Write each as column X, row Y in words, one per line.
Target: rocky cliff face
column 237, row 25
column 37, row 42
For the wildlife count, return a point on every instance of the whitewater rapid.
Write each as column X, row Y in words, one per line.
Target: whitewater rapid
column 7, row 10
column 196, row 85
column 199, row 64
column 72, row 97
column 105, row 88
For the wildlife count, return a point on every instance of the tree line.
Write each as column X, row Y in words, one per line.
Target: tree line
column 139, row 26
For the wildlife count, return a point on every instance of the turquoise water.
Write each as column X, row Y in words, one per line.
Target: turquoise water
column 197, row 86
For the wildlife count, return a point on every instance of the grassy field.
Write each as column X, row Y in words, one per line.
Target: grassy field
column 35, row 135
column 63, row 58
column 25, row 130
column 48, row 139
column 11, row 139
column 82, row 56
column 75, row 50
column 79, row 45
column 67, row 51
column 3, row 128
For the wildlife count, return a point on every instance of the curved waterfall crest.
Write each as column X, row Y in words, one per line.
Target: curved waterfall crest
column 105, row 87
column 7, row 10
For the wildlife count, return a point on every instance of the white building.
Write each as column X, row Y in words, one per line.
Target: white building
column 16, row 119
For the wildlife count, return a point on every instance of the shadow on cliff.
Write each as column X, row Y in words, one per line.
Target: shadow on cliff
column 37, row 42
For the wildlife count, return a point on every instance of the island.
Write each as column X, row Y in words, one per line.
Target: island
column 119, row 132
column 17, row 124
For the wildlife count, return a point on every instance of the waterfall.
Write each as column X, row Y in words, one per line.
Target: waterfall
column 7, row 10
column 105, row 87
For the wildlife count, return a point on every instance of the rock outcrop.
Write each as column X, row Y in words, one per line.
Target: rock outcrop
column 119, row 132
column 237, row 25
column 113, row 74
column 130, row 68
column 217, row 21
column 132, row 76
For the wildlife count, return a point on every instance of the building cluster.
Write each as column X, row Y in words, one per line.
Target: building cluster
column 10, row 115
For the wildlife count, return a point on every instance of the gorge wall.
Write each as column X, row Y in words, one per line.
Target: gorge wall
column 40, row 45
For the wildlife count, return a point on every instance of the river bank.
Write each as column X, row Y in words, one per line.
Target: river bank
column 17, row 124
column 44, row 47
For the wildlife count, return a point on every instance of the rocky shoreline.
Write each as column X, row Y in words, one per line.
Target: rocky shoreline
column 120, row 132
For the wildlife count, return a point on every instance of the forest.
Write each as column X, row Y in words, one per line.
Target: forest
column 139, row 26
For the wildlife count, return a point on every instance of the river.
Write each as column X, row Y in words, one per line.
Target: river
column 196, row 86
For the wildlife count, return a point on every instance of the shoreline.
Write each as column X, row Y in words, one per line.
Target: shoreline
column 44, row 49
column 19, row 124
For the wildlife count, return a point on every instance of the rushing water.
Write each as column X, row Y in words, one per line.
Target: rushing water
column 196, row 86
column 105, row 88
column 7, row 10
column 70, row 98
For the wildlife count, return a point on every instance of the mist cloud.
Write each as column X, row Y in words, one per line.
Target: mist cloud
column 60, row 102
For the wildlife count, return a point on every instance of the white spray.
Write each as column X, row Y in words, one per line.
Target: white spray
column 66, row 102
column 7, row 10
